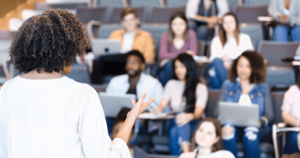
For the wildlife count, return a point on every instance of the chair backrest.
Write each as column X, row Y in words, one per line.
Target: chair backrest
column 275, row 51
column 257, row 2
column 149, row 4
column 44, row 6
column 255, row 32
column 80, row 73
column 116, row 12
column 232, row 4
column 280, row 78
column 162, row 15
column 249, row 14
column 212, row 103
column 175, row 3
column 201, row 48
column 85, row 15
column 277, row 98
column 110, row 3
column 106, row 29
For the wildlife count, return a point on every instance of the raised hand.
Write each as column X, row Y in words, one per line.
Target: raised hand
column 140, row 106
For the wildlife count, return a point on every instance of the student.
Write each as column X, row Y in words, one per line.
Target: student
column 135, row 151
column 204, row 15
column 290, row 112
column 247, row 86
column 207, row 141
column 177, row 40
column 187, row 94
column 45, row 114
column 226, row 47
column 135, row 81
column 132, row 38
column 287, row 14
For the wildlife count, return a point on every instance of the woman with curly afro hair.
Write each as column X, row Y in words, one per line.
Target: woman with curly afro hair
column 44, row 114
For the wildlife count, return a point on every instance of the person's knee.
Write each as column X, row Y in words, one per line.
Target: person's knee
column 227, row 131
column 251, row 134
column 295, row 33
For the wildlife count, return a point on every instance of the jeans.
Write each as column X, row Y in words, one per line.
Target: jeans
column 203, row 32
column 282, row 32
column 291, row 145
column 181, row 134
column 165, row 73
column 217, row 73
column 251, row 139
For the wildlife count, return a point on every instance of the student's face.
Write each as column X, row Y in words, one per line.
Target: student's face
column 243, row 68
column 229, row 24
column 130, row 22
column 206, row 135
column 178, row 26
column 180, row 70
column 134, row 66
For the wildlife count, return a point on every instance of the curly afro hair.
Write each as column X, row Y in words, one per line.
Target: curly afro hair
column 257, row 64
column 48, row 42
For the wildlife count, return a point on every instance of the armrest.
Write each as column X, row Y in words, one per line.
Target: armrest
column 282, row 125
column 90, row 26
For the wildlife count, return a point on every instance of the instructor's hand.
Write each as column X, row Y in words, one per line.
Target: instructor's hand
column 140, row 106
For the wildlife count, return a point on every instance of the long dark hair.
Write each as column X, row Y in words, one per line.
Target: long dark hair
column 217, row 146
column 171, row 34
column 191, row 79
column 222, row 32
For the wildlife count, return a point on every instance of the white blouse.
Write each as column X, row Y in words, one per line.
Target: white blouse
column 230, row 48
column 51, row 118
column 218, row 154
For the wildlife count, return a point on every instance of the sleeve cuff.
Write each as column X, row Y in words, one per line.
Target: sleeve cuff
column 120, row 146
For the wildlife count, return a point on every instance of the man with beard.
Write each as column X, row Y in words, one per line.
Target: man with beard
column 135, row 82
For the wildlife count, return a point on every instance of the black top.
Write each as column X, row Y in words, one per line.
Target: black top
column 213, row 10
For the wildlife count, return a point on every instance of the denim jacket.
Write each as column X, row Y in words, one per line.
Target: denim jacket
column 260, row 95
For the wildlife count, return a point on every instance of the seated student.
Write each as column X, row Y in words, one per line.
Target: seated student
column 132, row 38
column 177, row 40
column 204, row 15
column 247, row 86
column 135, row 151
column 187, row 94
column 207, row 141
column 135, row 81
column 287, row 14
column 224, row 48
column 87, row 59
column 290, row 112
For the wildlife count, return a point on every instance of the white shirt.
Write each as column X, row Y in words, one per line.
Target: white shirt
column 218, row 154
column 89, row 58
column 128, row 40
column 54, row 118
column 193, row 5
column 174, row 90
column 245, row 100
column 119, row 85
column 230, row 48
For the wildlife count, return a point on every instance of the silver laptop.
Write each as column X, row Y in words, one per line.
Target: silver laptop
column 105, row 47
column 239, row 115
column 112, row 104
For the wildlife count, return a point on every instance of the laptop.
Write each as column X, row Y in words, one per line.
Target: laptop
column 106, row 47
column 112, row 104
column 239, row 115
